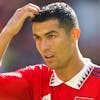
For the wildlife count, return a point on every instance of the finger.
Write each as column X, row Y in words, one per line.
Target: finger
column 34, row 6
column 28, row 10
column 31, row 15
column 34, row 10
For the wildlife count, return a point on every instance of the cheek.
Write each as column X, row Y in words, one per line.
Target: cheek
column 64, row 47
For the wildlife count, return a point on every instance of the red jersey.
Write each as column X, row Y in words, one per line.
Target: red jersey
column 38, row 82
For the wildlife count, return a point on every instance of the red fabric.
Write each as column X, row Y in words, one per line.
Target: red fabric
column 91, row 89
column 32, row 83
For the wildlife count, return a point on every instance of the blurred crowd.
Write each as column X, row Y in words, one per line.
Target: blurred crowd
column 22, row 50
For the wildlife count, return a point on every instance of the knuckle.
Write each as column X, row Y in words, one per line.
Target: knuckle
column 18, row 9
column 30, row 4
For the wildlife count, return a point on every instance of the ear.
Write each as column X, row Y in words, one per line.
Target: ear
column 75, row 34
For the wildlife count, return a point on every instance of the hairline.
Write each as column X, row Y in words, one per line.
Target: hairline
column 62, row 25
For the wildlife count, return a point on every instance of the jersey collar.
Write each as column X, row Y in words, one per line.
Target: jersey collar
column 78, row 80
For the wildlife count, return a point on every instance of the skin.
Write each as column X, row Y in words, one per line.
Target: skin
column 14, row 25
column 58, row 49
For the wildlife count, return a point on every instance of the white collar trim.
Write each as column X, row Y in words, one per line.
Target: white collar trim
column 77, row 81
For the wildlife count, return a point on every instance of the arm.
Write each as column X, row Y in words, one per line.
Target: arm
column 15, row 85
column 14, row 25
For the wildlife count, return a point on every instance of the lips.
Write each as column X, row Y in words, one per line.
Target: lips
column 48, row 57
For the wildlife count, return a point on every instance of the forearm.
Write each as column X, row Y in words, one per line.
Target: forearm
column 15, row 24
column 4, row 43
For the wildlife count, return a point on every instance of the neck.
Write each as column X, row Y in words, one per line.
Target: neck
column 73, row 67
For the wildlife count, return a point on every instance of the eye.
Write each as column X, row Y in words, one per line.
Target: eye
column 36, row 37
column 51, row 36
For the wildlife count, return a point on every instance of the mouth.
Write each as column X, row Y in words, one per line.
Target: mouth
column 48, row 57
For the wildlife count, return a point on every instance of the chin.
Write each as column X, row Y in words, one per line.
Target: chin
column 51, row 66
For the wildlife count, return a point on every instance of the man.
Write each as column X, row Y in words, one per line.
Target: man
column 69, row 76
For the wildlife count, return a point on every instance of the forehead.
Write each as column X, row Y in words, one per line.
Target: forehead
column 45, row 26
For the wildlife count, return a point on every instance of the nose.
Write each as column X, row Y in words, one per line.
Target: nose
column 44, row 45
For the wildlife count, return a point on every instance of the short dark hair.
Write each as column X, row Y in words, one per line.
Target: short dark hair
column 58, row 10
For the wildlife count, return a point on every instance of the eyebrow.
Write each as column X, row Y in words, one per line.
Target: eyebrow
column 46, row 33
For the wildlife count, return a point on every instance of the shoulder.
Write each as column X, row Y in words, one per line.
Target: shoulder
column 41, row 67
column 36, row 72
column 36, row 68
column 96, row 71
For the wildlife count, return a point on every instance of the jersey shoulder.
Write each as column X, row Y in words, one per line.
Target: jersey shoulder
column 36, row 67
column 96, row 71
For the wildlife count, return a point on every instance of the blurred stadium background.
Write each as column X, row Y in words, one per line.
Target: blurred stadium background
column 22, row 51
